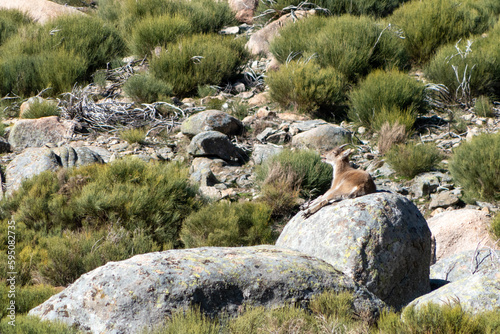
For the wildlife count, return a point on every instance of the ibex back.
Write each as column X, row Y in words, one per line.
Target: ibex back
column 347, row 181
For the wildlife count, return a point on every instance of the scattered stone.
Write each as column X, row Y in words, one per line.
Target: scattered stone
column 262, row 153
column 78, row 156
column 264, row 134
column 305, row 125
column 460, row 230
column 265, row 113
column 444, row 199
column 245, row 95
column 259, row 99
column 427, row 183
column 215, row 144
column 322, row 138
column 381, row 240
column 40, row 131
column 201, row 172
column 212, row 120
column 244, row 10
column 230, row 31
column 131, row 295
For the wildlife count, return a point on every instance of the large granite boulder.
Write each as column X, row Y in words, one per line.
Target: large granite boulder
column 216, row 145
column 126, row 296
column 322, row 138
column 38, row 132
column 34, row 161
column 212, row 120
column 381, row 240
column 460, row 230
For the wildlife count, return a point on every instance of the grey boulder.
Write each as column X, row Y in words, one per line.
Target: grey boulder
column 38, row 132
column 381, row 240
column 323, row 138
column 126, row 296
column 217, row 145
column 212, row 120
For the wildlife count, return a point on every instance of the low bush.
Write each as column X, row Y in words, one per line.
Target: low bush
column 198, row 60
column 303, row 170
column 10, row 22
column 152, row 32
column 495, row 226
column 387, row 96
column 412, row 159
column 475, row 165
column 56, row 55
column 305, row 87
column 429, row 24
column 378, row 8
column 143, row 88
column 32, row 324
column 43, row 108
column 483, row 107
column 26, row 297
column 281, row 195
column 153, row 197
column 205, row 16
column 432, row 318
column 134, row 135
column 476, row 63
column 333, row 42
column 226, row 224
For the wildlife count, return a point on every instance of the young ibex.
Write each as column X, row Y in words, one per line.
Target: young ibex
column 347, row 181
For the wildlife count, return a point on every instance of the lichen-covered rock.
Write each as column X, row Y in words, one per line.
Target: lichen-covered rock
column 34, row 161
column 466, row 264
column 212, row 120
column 460, row 230
column 323, row 138
column 427, row 183
column 215, row 144
column 381, row 240
column 126, row 296
column 77, row 156
column 476, row 293
column 38, row 132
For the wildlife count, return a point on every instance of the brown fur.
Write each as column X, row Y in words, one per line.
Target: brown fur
column 347, row 181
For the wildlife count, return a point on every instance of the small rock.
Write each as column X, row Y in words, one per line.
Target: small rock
column 215, row 144
column 443, row 199
column 259, row 99
column 262, row 153
column 322, row 138
column 230, row 31
column 211, row 120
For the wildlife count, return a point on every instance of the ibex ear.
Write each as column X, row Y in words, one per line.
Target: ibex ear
column 346, row 153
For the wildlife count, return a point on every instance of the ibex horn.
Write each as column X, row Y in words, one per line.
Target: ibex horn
column 342, row 146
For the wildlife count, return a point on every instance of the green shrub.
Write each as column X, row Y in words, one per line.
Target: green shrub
column 429, row 24
column 393, row 94
column 281, row 196
column 204, row 15
column 238, row 109
column 225, row 224
column 432, row 319
column 153, row 197
column 56, row 55
column 338, row 7
column 478, row 63
column 475, row 166
column 26, row 297
column 412, row 159
column 40, row 109
column 302, row 168
column 198, row 60
column 483, row 107
column 134, row 135
column 10, row 22
column 151, row 32
column 495, row 226
column 306, row 87
column 144, row 88
column 333, row 41
column 33, row 325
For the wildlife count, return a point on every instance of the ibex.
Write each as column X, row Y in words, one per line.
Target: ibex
column 347, row 182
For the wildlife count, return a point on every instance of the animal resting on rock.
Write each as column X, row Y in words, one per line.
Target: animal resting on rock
column 347, row 182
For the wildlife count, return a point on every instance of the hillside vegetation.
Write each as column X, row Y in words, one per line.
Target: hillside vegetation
column 384, row 68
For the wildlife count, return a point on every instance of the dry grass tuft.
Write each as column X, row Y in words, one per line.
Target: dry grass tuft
column 391, row 134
